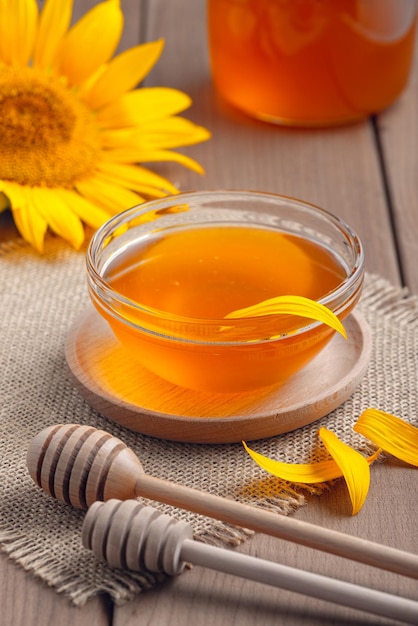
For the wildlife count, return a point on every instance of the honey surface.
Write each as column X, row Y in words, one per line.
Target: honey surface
column 207, row 273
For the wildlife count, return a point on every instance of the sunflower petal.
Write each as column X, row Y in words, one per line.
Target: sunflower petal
column 143, row 105
column 30, row 224
column 53, row 25
column 4, row 33
column 353, row 465
column 4, row 202
column 18, row 31
column 309, row 473
column 136, row 178
column 59, row 216
column 91, row 42
column 132, row 155
column 123, row 73
column 87, row 211
column 391, row 433
column 323, row 471
column 112, row 197
column 292, row 305
column 174, row 132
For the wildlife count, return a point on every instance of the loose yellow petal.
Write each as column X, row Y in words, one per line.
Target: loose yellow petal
column 391, row 433
column 18, row 31
column 352, row 464
column 323, row 471
column 308, row 473
column 53, row 25
column 292, row 305
column 91, row 42
column 142, row 106
column 123, row 73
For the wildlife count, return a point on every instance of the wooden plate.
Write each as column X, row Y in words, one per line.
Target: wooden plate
column 132, row 396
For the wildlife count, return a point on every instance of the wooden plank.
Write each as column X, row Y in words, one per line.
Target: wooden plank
column 398, row 128
column 25, row 600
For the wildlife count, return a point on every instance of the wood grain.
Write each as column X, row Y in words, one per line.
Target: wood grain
column 398, row 130
column 27, row 601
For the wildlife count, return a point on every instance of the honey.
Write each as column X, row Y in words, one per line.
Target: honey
column 311, row 62
column 185, row 281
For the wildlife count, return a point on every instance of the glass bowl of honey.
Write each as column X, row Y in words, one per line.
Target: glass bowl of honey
column 165, row 275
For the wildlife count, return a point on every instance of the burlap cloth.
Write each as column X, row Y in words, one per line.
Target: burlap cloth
column 40, row 299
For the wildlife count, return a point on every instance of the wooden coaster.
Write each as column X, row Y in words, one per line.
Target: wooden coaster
column 132, row 396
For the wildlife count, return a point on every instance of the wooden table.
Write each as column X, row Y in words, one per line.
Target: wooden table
column 366, row 173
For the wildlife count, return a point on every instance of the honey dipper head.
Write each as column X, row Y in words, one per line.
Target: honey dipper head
column 79, row 465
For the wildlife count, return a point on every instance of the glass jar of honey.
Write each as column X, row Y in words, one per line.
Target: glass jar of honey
column 311, row 62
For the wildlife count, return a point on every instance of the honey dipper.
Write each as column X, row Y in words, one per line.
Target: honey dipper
column 80, row 465
column 128, row 535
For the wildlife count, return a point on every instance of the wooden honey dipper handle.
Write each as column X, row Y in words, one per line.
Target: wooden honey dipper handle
column 80, row 465
column 129, row 535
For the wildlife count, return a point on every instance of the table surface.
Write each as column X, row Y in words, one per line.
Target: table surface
column 367, row 174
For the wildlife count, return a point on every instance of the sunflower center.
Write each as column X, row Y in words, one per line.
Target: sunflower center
column 47, row 135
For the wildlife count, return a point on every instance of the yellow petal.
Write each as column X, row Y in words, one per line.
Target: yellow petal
column 59, row 216
column 54, row 23
column 30, row 224
column 321, row 471
column 123, row 73
column 91, row 41
column 136, row 178
column 292, row 305
column 87, row 211
column 19, row 23
column 132, row 155
column 113, row 198
column 172, row 132
column 353, row 466
column 145, row 190
column 4, row 202
column 142, row 106
column 391, row 433
column 308, row 473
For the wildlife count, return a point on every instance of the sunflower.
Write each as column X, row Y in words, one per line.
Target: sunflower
column 74, row 129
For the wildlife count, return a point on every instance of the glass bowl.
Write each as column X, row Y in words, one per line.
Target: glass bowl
column 165, row 275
